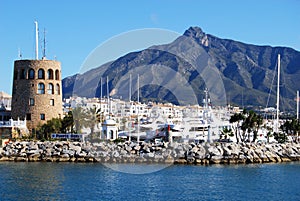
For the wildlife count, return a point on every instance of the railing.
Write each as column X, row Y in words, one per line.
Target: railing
column 12, row 123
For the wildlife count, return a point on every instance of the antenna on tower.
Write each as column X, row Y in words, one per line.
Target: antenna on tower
column 19, row 53
column 44, row 45
column 36, row 41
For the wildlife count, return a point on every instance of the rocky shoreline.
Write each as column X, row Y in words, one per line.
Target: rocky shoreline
column 130, row 152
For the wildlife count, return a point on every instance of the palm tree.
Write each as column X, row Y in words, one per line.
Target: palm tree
column 68, row 123
column 227, row 132
column 251, row 123
column 257, row 122
column 237, row 118
column 269, row 134
column 295, row 126
column 291, row 127
column 92, row 120
column 51, row 126
column 100, row 118
column 79, row 117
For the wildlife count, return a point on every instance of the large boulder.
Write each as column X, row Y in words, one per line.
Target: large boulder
column 213, row 151
column 201, row 153
column 216, row 159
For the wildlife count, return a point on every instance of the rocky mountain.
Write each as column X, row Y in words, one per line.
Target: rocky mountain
column 179, row 72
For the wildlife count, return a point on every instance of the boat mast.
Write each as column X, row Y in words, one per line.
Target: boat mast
column 130, row 123
column 101, row 95
column 129, row 88
column 108, row 102
column 206, row 98
column 277, row 102
column 100, row 89
column 297, row 99
column 36, row 41
column 138, row 105
column 138, row 88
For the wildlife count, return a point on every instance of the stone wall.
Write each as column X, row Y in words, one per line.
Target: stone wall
column 26, row 87
column 129, row 152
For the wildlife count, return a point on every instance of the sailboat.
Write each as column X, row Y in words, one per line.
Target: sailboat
column 262, row 134
column 272, row 110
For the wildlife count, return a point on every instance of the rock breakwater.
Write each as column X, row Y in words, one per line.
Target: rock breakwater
column 130, row 152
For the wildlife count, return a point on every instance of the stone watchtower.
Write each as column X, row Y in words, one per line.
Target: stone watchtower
column 37, row 92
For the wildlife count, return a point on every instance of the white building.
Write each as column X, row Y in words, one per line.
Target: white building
column 109, row 129
column 13, row 129
column 5, row 100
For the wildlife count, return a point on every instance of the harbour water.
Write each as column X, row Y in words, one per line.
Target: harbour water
column 90, row 181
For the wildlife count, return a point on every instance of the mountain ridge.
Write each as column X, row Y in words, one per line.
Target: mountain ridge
column 246, row 70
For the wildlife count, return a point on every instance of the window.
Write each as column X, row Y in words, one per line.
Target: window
column 50, row 74
column 57, row 89
column 31, row 101
column 50, row 89
column 111, row 134
column 57, row 74
column 52, row 102
column 28, row 116
column 41, row 74
column 42, row 116
column 23, row 74
column 31, row 74
column 41, row 88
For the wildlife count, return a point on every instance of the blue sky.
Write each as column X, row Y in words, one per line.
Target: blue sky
column 75, row 28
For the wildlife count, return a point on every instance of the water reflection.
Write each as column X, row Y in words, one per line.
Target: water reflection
column 133, row 168
column 81, row 181
column 30, row 181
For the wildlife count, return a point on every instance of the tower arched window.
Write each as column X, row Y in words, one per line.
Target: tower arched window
column 31, row 74
column 50, row 74
column 23, row 74
column 41, row 88
column 41, row 74
column 50, row 89
column 57, row 89
column 57, row 74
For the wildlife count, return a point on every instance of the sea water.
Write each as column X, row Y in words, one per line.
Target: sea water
column 90, row 181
